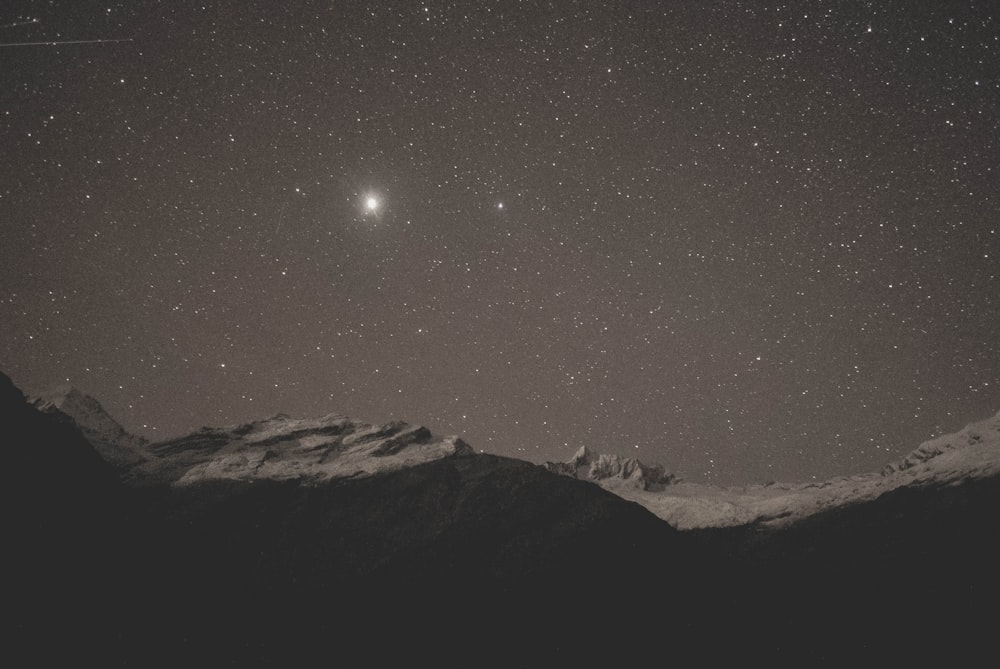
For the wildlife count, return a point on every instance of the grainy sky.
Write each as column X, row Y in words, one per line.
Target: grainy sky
column 747, row 240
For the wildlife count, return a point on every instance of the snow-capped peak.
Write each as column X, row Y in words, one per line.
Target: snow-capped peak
column 612, row 471
column 311, row 450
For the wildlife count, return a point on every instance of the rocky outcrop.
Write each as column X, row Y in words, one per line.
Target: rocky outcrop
column 613, row 471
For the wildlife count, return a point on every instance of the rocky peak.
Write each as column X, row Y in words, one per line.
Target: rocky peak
column 310, row 450
column 612, row 470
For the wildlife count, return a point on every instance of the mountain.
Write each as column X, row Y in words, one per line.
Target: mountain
column 117, row 446
column 967, row 456
column 612, row 471
column 62, row 512
column 891, row 568
column 311, row 451
column 291, row 542
column 46, row 459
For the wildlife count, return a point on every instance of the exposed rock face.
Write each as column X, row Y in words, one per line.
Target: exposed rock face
column 118, row 447
column 282, row 448
column 612, row 471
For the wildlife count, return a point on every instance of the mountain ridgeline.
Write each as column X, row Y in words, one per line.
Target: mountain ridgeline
column 293, row 541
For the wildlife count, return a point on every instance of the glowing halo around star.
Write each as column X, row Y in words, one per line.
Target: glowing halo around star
column 369, row 206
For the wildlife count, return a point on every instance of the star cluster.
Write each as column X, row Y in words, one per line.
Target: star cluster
column 748, row 240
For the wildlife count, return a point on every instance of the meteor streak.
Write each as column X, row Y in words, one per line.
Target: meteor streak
column 62, row 42
column 28, row 22
column 23, row 22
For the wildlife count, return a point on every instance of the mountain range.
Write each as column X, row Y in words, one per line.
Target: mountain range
column 303, row 541
column 952, row 460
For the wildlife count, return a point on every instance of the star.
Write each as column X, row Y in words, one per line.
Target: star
column 663, row 253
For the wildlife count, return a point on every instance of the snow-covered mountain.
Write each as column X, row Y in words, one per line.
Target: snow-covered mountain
column 271, row 545
column 971, row 454
column 612, row 471
column 279, row 448
column 290, row 539
column 307, row 450
column 334, row 447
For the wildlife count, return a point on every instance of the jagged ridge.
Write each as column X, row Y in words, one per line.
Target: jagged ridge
column 278, row 448
column 613, row 471
column 286, row 448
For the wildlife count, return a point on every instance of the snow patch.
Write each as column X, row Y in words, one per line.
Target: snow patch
column 972, row 453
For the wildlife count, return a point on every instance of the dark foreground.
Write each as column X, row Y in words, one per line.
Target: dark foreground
column 474, row 560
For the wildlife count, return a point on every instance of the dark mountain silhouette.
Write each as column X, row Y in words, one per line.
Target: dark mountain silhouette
column 448, row 556
column 61, row 517
column 293, row 542
column 111, row 441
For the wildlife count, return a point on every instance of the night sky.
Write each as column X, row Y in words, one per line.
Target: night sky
column 747, row 240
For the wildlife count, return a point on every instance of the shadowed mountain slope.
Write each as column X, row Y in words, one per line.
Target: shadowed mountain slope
column 429, row 558
column 114, row 444
column 292, row 542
